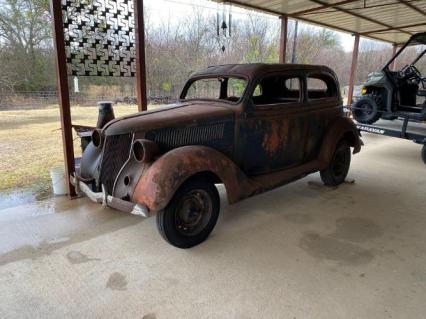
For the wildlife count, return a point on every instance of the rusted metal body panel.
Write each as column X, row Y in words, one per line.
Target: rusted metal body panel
column 157, row 186
column 177, row 115
column 247, row 146
column 340, row 128
column 161, row 180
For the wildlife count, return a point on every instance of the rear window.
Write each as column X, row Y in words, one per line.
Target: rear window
column 321, row 86
column 277, row 89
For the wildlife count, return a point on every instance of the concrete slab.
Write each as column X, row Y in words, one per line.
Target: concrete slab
column 301, row 251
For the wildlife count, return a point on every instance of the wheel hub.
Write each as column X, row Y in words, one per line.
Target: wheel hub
column 193, row 212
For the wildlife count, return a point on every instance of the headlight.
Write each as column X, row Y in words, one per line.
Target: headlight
column 364, row 91
column 144, row 151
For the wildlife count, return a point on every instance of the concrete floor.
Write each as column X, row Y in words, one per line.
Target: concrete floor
column 302, row 251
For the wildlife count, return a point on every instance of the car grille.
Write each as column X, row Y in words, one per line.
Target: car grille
column 116, row 153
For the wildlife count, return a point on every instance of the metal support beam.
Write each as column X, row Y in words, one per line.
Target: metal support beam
column 301, row 18
column 140, row 56
column 283, row 39
column 412, row 6
column 348, row 11
column 394, row 28
column 293, row 51
column 353, row 69
column 392, row 66
column 322, row 7
column 64, row 98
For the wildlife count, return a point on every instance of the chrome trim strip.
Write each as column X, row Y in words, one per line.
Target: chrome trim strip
column 125, row 163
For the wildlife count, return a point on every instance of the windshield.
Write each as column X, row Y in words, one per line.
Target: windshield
column 215, row 88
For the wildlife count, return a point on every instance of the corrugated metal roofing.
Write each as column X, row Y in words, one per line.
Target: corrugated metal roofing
column 391, row 21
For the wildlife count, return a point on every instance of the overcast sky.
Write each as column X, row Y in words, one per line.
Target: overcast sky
column 163, row 9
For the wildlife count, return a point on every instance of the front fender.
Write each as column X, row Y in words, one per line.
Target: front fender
column 341, row 128
column 158, row 184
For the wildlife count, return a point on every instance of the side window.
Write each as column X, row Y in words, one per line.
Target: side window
column 257, row 91
column 277, row 89
column 321, row 86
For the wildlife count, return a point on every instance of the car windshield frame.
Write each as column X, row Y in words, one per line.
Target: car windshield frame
column 182, row 96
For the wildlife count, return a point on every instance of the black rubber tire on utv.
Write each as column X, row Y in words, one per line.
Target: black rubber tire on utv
column 191, row 215
column 338, row 169
column 367, row 109
column 424, row 153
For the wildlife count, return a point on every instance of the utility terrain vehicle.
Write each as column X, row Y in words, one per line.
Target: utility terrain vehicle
column 389, row 94
column 251, row 127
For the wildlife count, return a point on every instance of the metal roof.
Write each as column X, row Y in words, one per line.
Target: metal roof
column 392, row 21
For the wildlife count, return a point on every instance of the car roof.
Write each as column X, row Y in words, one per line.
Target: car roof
column 253, row 70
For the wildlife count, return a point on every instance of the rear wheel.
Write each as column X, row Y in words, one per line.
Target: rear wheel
column 338, row 168
column 191, row 215
column 367, row 108
column 424, row 153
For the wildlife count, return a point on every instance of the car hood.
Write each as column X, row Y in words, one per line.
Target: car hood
column 168, row 116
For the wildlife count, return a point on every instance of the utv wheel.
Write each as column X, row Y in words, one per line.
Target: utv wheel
column 424, row 153
column 191, row 215
column 338, row 169
column 367, row 109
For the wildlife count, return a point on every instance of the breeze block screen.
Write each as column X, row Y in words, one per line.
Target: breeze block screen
column 99, row 37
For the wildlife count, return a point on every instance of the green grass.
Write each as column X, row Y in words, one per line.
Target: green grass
column 31, row 144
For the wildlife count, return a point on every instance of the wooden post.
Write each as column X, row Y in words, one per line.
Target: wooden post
column 63, row 91
column 283, row 39
column 140, row 56
column 353, row 69
column 394, row 48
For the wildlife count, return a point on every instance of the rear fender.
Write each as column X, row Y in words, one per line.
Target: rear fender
column 341, row 128
column 159, row 183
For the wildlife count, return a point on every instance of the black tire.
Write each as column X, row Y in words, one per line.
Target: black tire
column 367, row 109
column 191, row 215
column 338, row 169
column 424, row 153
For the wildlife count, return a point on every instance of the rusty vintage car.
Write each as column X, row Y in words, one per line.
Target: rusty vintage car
column 251, row 127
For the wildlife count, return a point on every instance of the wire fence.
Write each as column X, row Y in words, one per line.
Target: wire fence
column 31, row 100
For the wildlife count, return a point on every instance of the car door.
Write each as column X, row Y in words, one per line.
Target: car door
column 272, row 130
column 323, row 104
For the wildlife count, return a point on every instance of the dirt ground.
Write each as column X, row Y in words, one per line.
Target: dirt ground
column 31, row 144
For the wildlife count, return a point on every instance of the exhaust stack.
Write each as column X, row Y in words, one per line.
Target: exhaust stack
column 106, row 113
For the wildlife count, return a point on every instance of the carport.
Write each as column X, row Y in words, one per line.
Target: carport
column 299, row 251
column 391, row 21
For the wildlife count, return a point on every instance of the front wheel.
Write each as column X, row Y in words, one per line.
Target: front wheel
column 338, row 168
column 424, row 153
column 191, row 215
column 367, row 109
